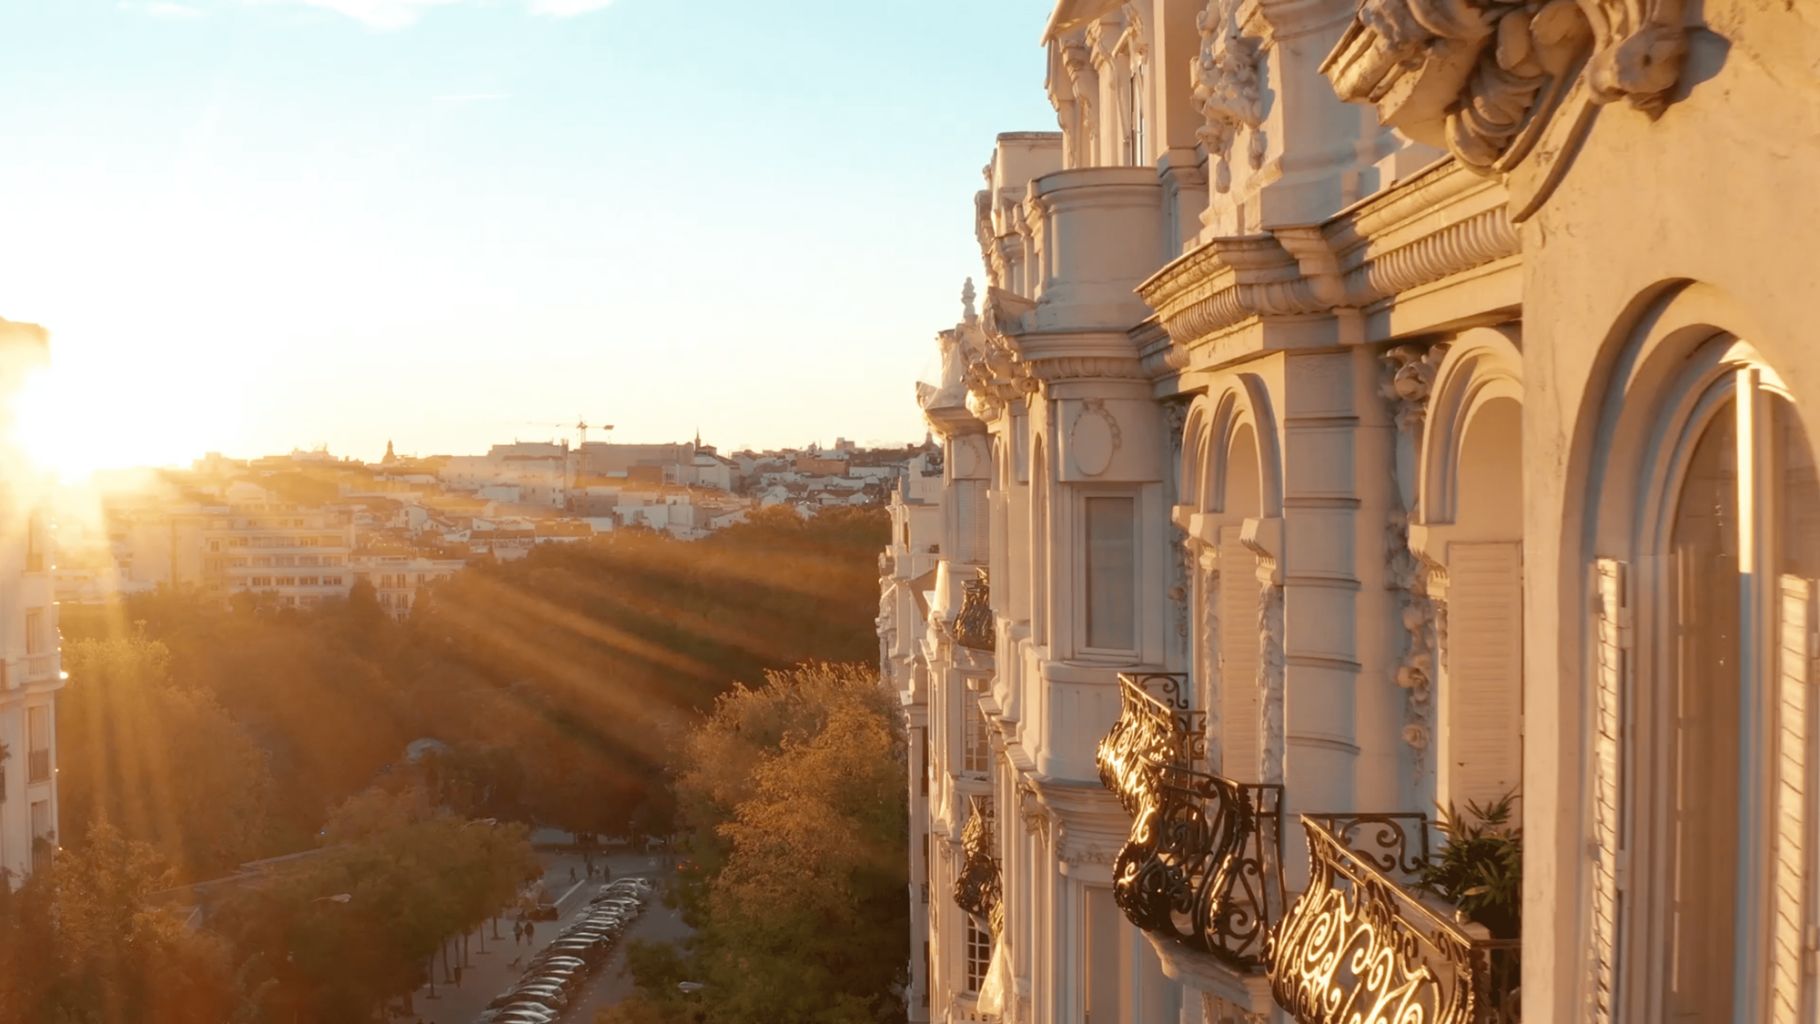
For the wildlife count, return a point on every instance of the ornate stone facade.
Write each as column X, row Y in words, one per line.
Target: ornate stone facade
column 1332, row 360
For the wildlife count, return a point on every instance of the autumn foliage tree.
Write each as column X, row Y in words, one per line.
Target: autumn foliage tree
column 793, row 793
column 87, row 942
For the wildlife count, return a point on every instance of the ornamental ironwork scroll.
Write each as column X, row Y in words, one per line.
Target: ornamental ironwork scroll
column 1155, row 727
column 1361, row 947
column 977, row 888
column 973, row 627
column 1203, row 864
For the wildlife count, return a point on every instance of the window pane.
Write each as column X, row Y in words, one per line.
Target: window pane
column 1111, row 573
column 1704, row 810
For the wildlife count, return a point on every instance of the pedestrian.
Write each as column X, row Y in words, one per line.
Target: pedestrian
column 518, row 932
column 529, row 928
column 572, row 873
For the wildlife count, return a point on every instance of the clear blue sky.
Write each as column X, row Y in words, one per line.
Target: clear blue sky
column 258, row 224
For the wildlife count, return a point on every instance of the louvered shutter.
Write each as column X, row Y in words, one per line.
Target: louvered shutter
column 1483, row 701
column 1239, row 632
column 1793, row 734
column 1611, row 669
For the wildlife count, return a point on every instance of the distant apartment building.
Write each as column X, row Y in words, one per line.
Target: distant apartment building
column 398, row 579
column 292, row 555
column 30, row 673
column 539, row 473
column 250, row 543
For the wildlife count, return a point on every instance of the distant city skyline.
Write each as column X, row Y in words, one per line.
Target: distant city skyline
column 253, row 227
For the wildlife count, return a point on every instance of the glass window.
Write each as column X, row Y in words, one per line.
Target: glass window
column 1730, row 515
column 974, row 756
column 979, row 954
column 1111, row 573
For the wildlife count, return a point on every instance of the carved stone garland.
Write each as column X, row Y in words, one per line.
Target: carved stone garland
column 1409, row 377
column 1209, row 667
column 1226, row 89
column 1270, row 675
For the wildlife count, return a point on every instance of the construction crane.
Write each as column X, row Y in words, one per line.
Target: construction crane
column 581, row 430
column 580, row 426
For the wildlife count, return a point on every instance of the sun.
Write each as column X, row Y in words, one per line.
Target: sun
column 53, row 432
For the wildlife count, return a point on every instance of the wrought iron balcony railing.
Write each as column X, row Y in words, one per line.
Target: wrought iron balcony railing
column 1361, row 945
column 973, row 627
column 1155, row 727
column 38, row 766
column 1203, row 863
column 978, row 889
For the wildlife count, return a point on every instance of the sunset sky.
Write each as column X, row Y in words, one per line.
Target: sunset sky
column 253, row 225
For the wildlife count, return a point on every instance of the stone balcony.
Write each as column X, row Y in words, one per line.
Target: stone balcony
column 1202, row 867
column 1099, row 234
column 1361, row 944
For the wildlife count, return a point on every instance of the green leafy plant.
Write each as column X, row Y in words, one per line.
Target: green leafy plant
column 1480, row 867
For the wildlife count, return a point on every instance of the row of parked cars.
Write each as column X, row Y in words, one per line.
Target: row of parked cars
column 556, row 975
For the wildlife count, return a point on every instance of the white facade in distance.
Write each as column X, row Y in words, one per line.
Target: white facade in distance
column 30, row 666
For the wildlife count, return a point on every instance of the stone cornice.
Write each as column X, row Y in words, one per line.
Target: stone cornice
column 1444, row 221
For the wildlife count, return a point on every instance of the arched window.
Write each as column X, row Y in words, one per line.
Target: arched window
column 1703, row 726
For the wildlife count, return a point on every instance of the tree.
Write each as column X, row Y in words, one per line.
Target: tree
column 165, row 764
column 339, row 933
column 84, row 942
column 795, row 795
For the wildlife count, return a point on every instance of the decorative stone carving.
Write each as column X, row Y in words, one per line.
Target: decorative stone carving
column 1181, row 580
column 1410, row 378
column 968, row 315
column 1094, row 437
column 1485, row 77
column 1209, row 657
column 1409, row 372
column 1270, row 679
column 1031, row 812
column 1086, row 849
column 1226, row 89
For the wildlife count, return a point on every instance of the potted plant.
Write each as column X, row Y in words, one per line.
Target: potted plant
column 1479, row 868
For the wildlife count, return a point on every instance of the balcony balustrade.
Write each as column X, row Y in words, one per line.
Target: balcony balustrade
column 974, row 627
column 978, row 889
column 39, row 667
column 1361, row 945
column 1203, row 863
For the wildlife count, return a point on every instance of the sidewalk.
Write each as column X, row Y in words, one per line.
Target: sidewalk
column 488, row 970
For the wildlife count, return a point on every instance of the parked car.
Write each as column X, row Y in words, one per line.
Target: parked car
column 550, row 994
column 543, row 912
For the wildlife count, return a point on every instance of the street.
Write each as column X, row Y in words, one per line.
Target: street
column 494, row 965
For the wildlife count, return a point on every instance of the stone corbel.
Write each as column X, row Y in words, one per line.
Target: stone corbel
column 1428, row 543
column 1320, row 266
column 1264, row 538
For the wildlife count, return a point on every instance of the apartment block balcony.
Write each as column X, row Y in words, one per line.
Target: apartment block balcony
column 1362, row 944
column 978, row 889
column 1203, row 864
column 973, row 626
column 40, row 667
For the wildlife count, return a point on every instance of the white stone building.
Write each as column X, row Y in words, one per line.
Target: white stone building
column 30, row 669
column 1374, row 408
column 398, row 579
